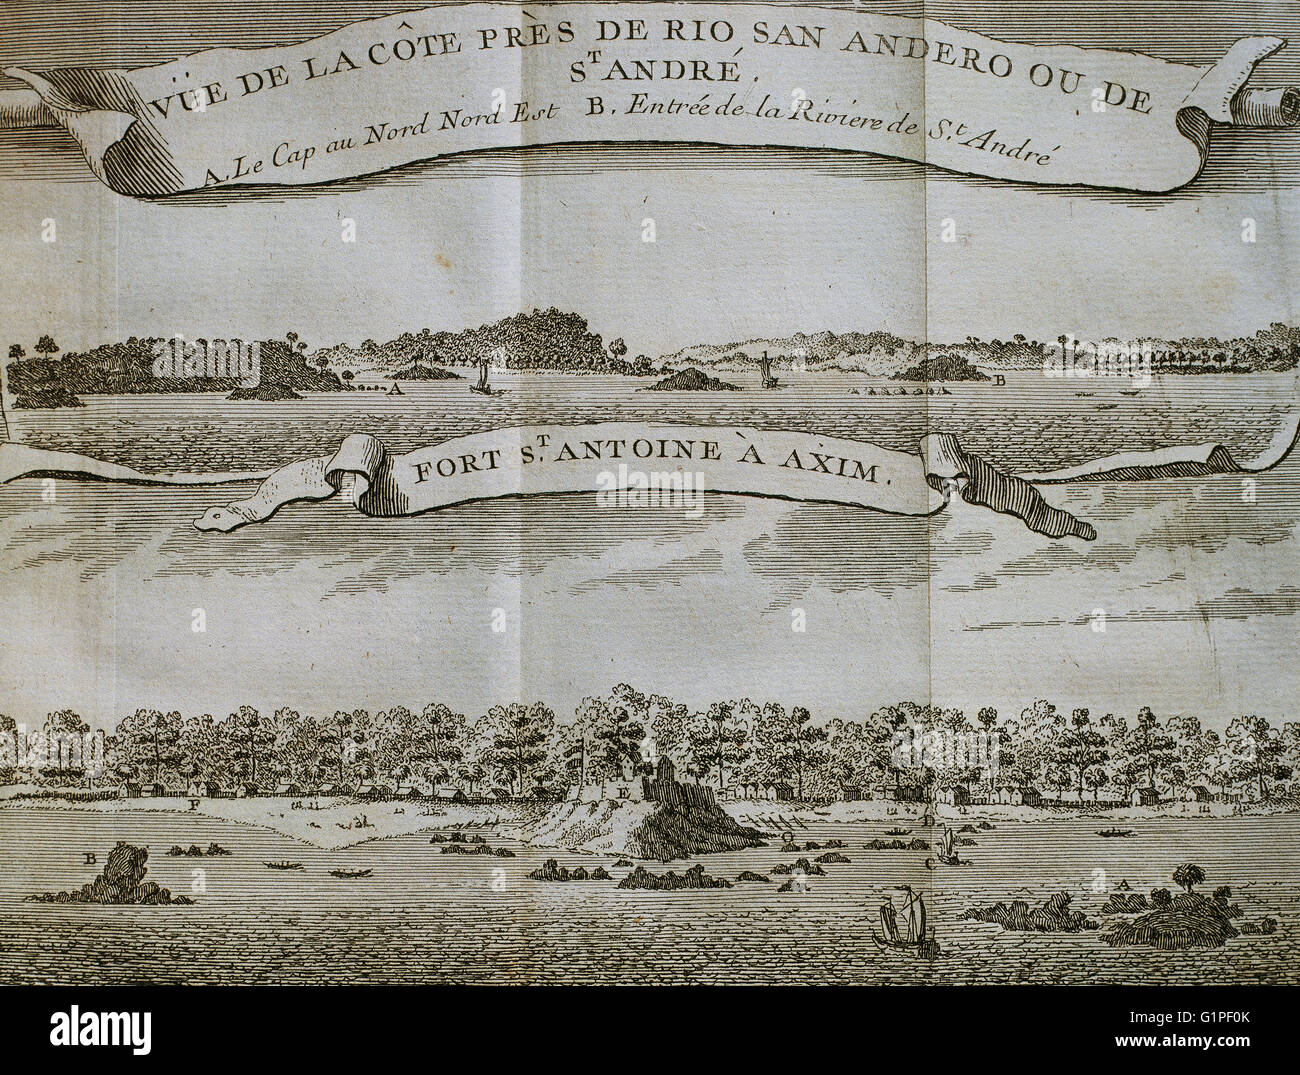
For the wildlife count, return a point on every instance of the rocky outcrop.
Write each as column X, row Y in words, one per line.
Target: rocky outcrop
column 643, row 830
column 121, row 882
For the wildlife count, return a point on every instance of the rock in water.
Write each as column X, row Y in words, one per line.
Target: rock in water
column 692, row 379
column 125, row 868
column 121, row 882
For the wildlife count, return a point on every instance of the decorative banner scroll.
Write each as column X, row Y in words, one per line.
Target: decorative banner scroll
column 438, row 81
column 639, row 463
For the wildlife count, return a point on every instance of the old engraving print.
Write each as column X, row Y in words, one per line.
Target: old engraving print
column 649, row 493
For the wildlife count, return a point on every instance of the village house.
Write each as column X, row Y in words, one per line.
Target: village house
column 955, row 795
column 1022, row 796
column 1145, row 797
column 203, row 789
column 373, row 791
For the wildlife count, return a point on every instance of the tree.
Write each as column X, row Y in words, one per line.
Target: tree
column 336, row 742
column 1081, row 748
column 789, row 745
column 11, row 750
column 1189, row 746
column 196, row 747
column 988, row 720
column 148, row 744
column 617, row 348
column 880, row 732
column 248, row 738
column 441, row 746
column 298, row 747
column 46, row 346
column 1188, row 876
column 719, row 739
column 1152, row 745
column 476, row 767
column 394, row 745
column 618, row 739
column 849, row 760
column 16, row 352
column 1098, row 778
column 1254, row 749
column 520, row 735
column 64, row 746
column 1216, row 764
column 578, row 754
column 1038, row 732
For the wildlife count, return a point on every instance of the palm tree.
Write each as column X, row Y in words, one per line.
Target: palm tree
column 1188, row 876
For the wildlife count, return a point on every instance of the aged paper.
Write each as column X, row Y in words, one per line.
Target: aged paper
column 649, row 493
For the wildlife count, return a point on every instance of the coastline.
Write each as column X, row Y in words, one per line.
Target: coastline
column 336, row 818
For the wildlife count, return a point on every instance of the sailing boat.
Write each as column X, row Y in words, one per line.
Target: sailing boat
column 947, row 849
column 916, row 936
column 765, row 366
column 482, row 387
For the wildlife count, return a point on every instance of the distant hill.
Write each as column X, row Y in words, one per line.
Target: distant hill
column 883, row 354
column 851, row 350
column 541, row 340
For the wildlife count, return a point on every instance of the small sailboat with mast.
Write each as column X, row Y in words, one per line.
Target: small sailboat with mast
column 915, row 934
column 482, row 387
column 946, row 849
column 765, row 369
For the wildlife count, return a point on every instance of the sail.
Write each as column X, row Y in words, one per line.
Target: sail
column 915, row 918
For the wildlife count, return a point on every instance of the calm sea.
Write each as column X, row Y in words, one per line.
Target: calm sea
column 1032, row 423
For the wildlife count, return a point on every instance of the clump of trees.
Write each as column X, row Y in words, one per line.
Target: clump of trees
column 548, row 339
column 49, row 378
column 739, row 746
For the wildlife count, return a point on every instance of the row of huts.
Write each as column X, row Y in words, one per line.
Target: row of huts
column 961, row 795
column 207, row 789
column 771, row 791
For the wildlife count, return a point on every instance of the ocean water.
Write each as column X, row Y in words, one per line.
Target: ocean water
column 428, row 917
column 1033, row 423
